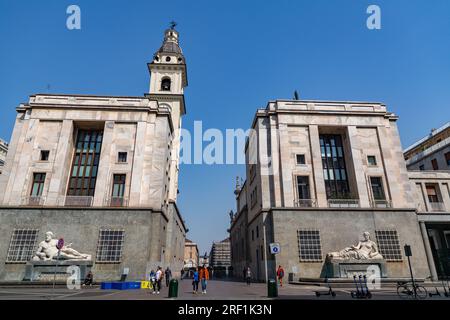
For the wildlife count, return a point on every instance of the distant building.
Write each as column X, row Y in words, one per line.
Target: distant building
column 3, row 152
column 220, row 255
column 190, row 254
column 432, row 152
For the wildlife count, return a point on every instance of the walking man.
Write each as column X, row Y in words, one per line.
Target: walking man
column 159, row 276
column 280, row 275
column 248, row 275
column 168, row 274
column 204, row 277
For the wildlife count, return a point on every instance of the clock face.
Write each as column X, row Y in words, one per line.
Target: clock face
column 168, row 59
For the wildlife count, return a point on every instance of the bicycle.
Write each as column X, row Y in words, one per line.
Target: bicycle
column 411, row 290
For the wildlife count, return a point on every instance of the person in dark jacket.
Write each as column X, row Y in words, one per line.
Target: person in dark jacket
column 168, row 274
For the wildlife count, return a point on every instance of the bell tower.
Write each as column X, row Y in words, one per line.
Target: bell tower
column 168, row 78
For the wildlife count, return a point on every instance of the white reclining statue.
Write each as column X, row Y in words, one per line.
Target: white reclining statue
column 47, row 250
column 366, row 249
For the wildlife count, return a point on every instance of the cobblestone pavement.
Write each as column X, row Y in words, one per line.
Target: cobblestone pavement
column 221, row 290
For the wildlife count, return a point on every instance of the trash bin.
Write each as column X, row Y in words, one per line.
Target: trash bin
column 173, row 288
column 272, row 289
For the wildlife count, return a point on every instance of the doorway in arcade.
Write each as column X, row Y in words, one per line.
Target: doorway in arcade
column 439, row 236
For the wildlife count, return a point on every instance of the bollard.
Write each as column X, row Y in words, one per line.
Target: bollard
column 272, row 289
column 173, row 288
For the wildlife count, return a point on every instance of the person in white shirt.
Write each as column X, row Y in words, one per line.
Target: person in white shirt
column 159, row 276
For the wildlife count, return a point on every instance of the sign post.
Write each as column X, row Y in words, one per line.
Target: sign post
column 408, row 254
column 59, row 246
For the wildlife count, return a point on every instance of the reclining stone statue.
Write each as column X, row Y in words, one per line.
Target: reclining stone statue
column 365, row 250
column 47, row 250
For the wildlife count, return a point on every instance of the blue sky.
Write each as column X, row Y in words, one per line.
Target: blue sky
column 240, row 54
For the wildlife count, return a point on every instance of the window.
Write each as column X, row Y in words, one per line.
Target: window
column 377, row 188
column 257, row 231
column 252, row 172
column 118, row 190
column 122, row 157
column 253, row 197
column 85, row 163
column 300, row 159
column 422, row 167
column 334, row 170
column 372, row 160
column 165, row 84
column 38, row 184
column 389, row 245
column 109, row 247
column 303, row 188
column 44, row 155
column 434, row 164
column 447, row 158
column 309, row 245
column 22, row 245
column 262, row 253
column 432, row 194
column 253, row 235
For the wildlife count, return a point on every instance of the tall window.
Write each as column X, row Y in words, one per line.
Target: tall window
column 334, row 171
column 38, row 184
column 432, row 194
column 85, row 163
column 434, row 164
column 389, row 245
column 165, row 84
column 309, row 245
column 377, row 188
column 303, row 187
column 118, row 190
column 447, row 158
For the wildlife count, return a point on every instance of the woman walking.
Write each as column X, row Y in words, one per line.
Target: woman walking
column 204, row 277
column 195, row 281
column 248, row 276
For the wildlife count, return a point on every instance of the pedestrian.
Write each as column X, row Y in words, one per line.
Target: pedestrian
column 89, row 279
column 182, row 274
column 152, row 280
column 280, row 275
column 244, row 273
column 204, row 277
column 168, row 274
column 159, row 277
column 248, row 275
column 195, row 281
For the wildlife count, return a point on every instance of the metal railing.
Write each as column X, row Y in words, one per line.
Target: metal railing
column 305, row 203
column 116, row 202
column 437, row 206
column 34, row 201
column 381, row 204
column 76, row 201
column 343, row 203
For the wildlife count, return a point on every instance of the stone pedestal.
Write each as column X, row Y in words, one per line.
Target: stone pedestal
column 45, row 270
column 347, row 268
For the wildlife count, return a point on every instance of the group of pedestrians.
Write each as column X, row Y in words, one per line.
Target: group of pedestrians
column 157, row 277
column 247, row 274
column 201, row 274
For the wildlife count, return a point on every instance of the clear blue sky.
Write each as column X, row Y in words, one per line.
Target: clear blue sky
column 240, row 54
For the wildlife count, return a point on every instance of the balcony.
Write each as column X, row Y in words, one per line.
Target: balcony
column 116, row 202
column 436, row 207
column 34, row 201
column 381, row 204
column 305, row 203
column 76, row 201
column 343, row 203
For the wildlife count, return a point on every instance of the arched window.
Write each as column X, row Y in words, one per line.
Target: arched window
column 165, row 84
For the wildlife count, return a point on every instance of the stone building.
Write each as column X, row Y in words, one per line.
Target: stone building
column 432, row 152
column 3, row 152
column 101, row 172
column 191, row 256
column 318, row 175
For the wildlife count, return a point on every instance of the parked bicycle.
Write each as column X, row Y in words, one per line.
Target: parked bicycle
column 411, row 290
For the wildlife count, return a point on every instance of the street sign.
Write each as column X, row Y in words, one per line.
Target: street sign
column 408, row 252
column 275, row 248
column 60, row 244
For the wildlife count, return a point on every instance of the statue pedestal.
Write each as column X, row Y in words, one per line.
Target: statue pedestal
column 45, row 270
column 347, row 268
